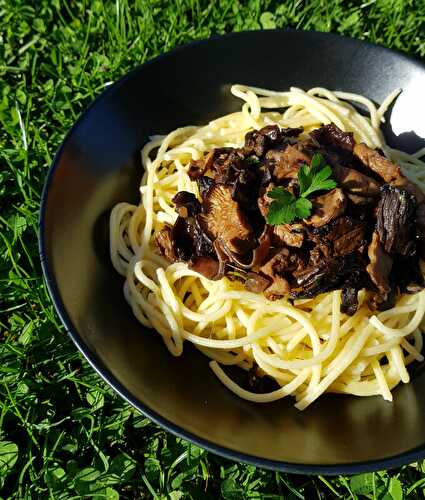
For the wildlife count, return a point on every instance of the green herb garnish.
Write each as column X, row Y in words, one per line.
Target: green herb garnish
column 285, row 207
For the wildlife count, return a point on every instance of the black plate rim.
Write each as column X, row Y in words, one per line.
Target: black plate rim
column 102, row 370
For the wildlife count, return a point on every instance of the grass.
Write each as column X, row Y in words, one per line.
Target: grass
column 63, row 433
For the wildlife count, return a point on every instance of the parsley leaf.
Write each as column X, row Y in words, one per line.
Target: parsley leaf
column 282, row 195
column 304, row 179
column 285, row 207
column 303, row 208
column 315, row 177
column 280, row 213
column 317, row 162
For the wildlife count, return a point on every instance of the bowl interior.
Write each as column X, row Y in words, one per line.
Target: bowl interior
column 99, row 166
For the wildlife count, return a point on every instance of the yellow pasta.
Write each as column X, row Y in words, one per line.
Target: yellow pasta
column 308, row 347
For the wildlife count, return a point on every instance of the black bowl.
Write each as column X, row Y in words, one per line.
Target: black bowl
column 98, row 165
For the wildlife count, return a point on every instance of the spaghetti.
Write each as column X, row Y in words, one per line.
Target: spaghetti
column 309, row 347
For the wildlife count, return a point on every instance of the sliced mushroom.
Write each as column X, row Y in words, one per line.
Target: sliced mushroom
column 410, row 187
column 266, row 175
column 199, row 167
column 327, row 207
column 182, row 236
column 359, row 201
column 223, row 219
column 164, row 243
column 394, row 216
column 264, row 200
column 287, row 161
column 291, row 235
column 245, row 188
column 332, row 136
column 223, row 259
column 204, row 183
column 329, row 274
column 279, row 288
column 291, row 131
column 257, row 141
column 355, row 182
column 379, row 269
column 388, row 170
column 261, row 251
column 351, row 240
column 320, row 252
column 218, row 160
column 207, row 266
column 274, row 269
column 385, row 168
column 256, row 282
column 187, row 205
column 349, row 300
column 340, row 237
column 242, row 262
column 227, row 165
column 406, row 273
column 278, row 264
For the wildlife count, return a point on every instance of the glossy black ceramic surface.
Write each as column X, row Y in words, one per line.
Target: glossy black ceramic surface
column 98, row 165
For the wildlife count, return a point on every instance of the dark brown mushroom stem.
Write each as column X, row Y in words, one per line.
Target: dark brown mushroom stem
column 379, row 269
column 366, row 233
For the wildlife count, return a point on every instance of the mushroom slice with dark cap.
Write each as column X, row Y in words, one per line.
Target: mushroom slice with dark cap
column 258, row 141
column 358, row 203
column 333, row 137
column 328, row 274
column 222, row 218
column 182, row 238
column 349, row 300
column 187, row 205
column 279, row 288
column 394, row 215
column 218, row 160
column 247, row 262
column 379, row 269
column 245, row 188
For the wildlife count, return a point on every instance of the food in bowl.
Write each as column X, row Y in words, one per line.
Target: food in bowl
column 286, row 239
